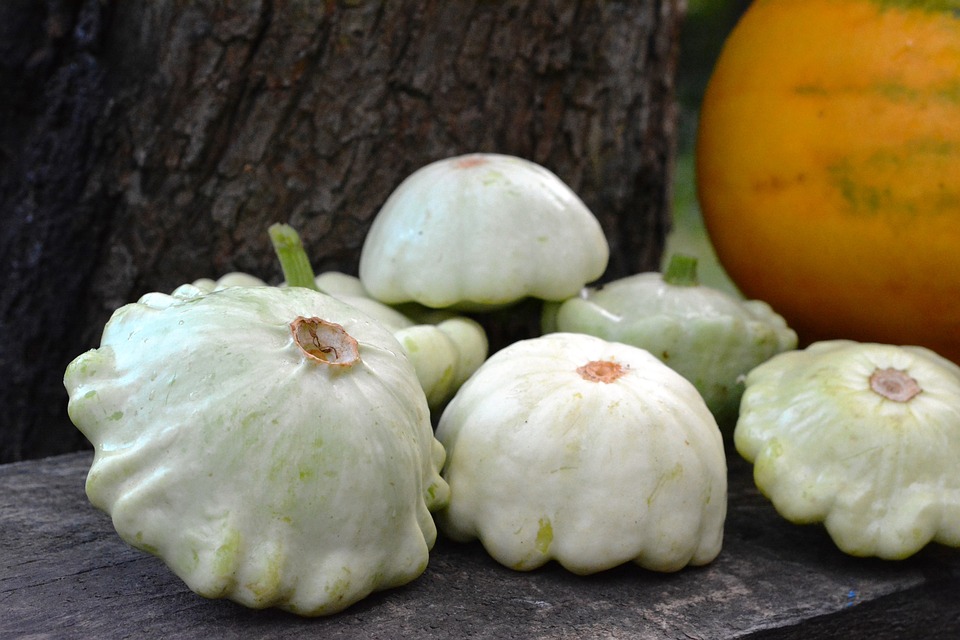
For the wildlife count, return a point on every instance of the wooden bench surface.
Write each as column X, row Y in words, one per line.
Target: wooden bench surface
column 65, row 573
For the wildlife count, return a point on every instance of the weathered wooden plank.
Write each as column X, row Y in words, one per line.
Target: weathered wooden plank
column 64, row 572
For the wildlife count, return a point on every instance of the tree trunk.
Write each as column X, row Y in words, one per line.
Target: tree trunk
column 147, row 143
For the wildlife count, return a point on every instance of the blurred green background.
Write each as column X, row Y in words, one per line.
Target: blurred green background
column 706, row 27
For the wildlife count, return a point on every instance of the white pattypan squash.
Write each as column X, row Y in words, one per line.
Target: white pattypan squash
column 708, row 336
column 864, row 438
column 271, row 445
column 589, row 452
column 481, row 231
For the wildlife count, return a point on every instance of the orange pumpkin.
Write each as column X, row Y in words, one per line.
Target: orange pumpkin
column 828, row 166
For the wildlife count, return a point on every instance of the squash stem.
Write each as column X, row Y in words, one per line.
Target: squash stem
column 293, row 258
column 681, row 271
column 604, row 371
column 894, row 384
column 325, row 342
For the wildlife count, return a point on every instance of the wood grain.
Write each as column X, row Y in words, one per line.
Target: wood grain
column 65, row 573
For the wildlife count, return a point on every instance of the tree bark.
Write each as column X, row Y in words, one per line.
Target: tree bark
column 147, row 143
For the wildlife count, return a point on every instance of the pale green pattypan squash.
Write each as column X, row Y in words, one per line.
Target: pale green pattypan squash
column 443, row 347
column 708, row 336
column 588, row 452
column 444, row 355
column 481, row 231
column 864, row 438
column 272, row 445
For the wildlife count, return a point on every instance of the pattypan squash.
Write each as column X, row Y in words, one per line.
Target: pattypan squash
column 272, row 445
column 862, row 437
column 707, row 335
column 444, row 348
column 481, row 231
column 588, row 452
column 444, row 355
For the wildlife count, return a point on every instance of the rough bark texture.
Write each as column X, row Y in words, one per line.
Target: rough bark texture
column 146, row 143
